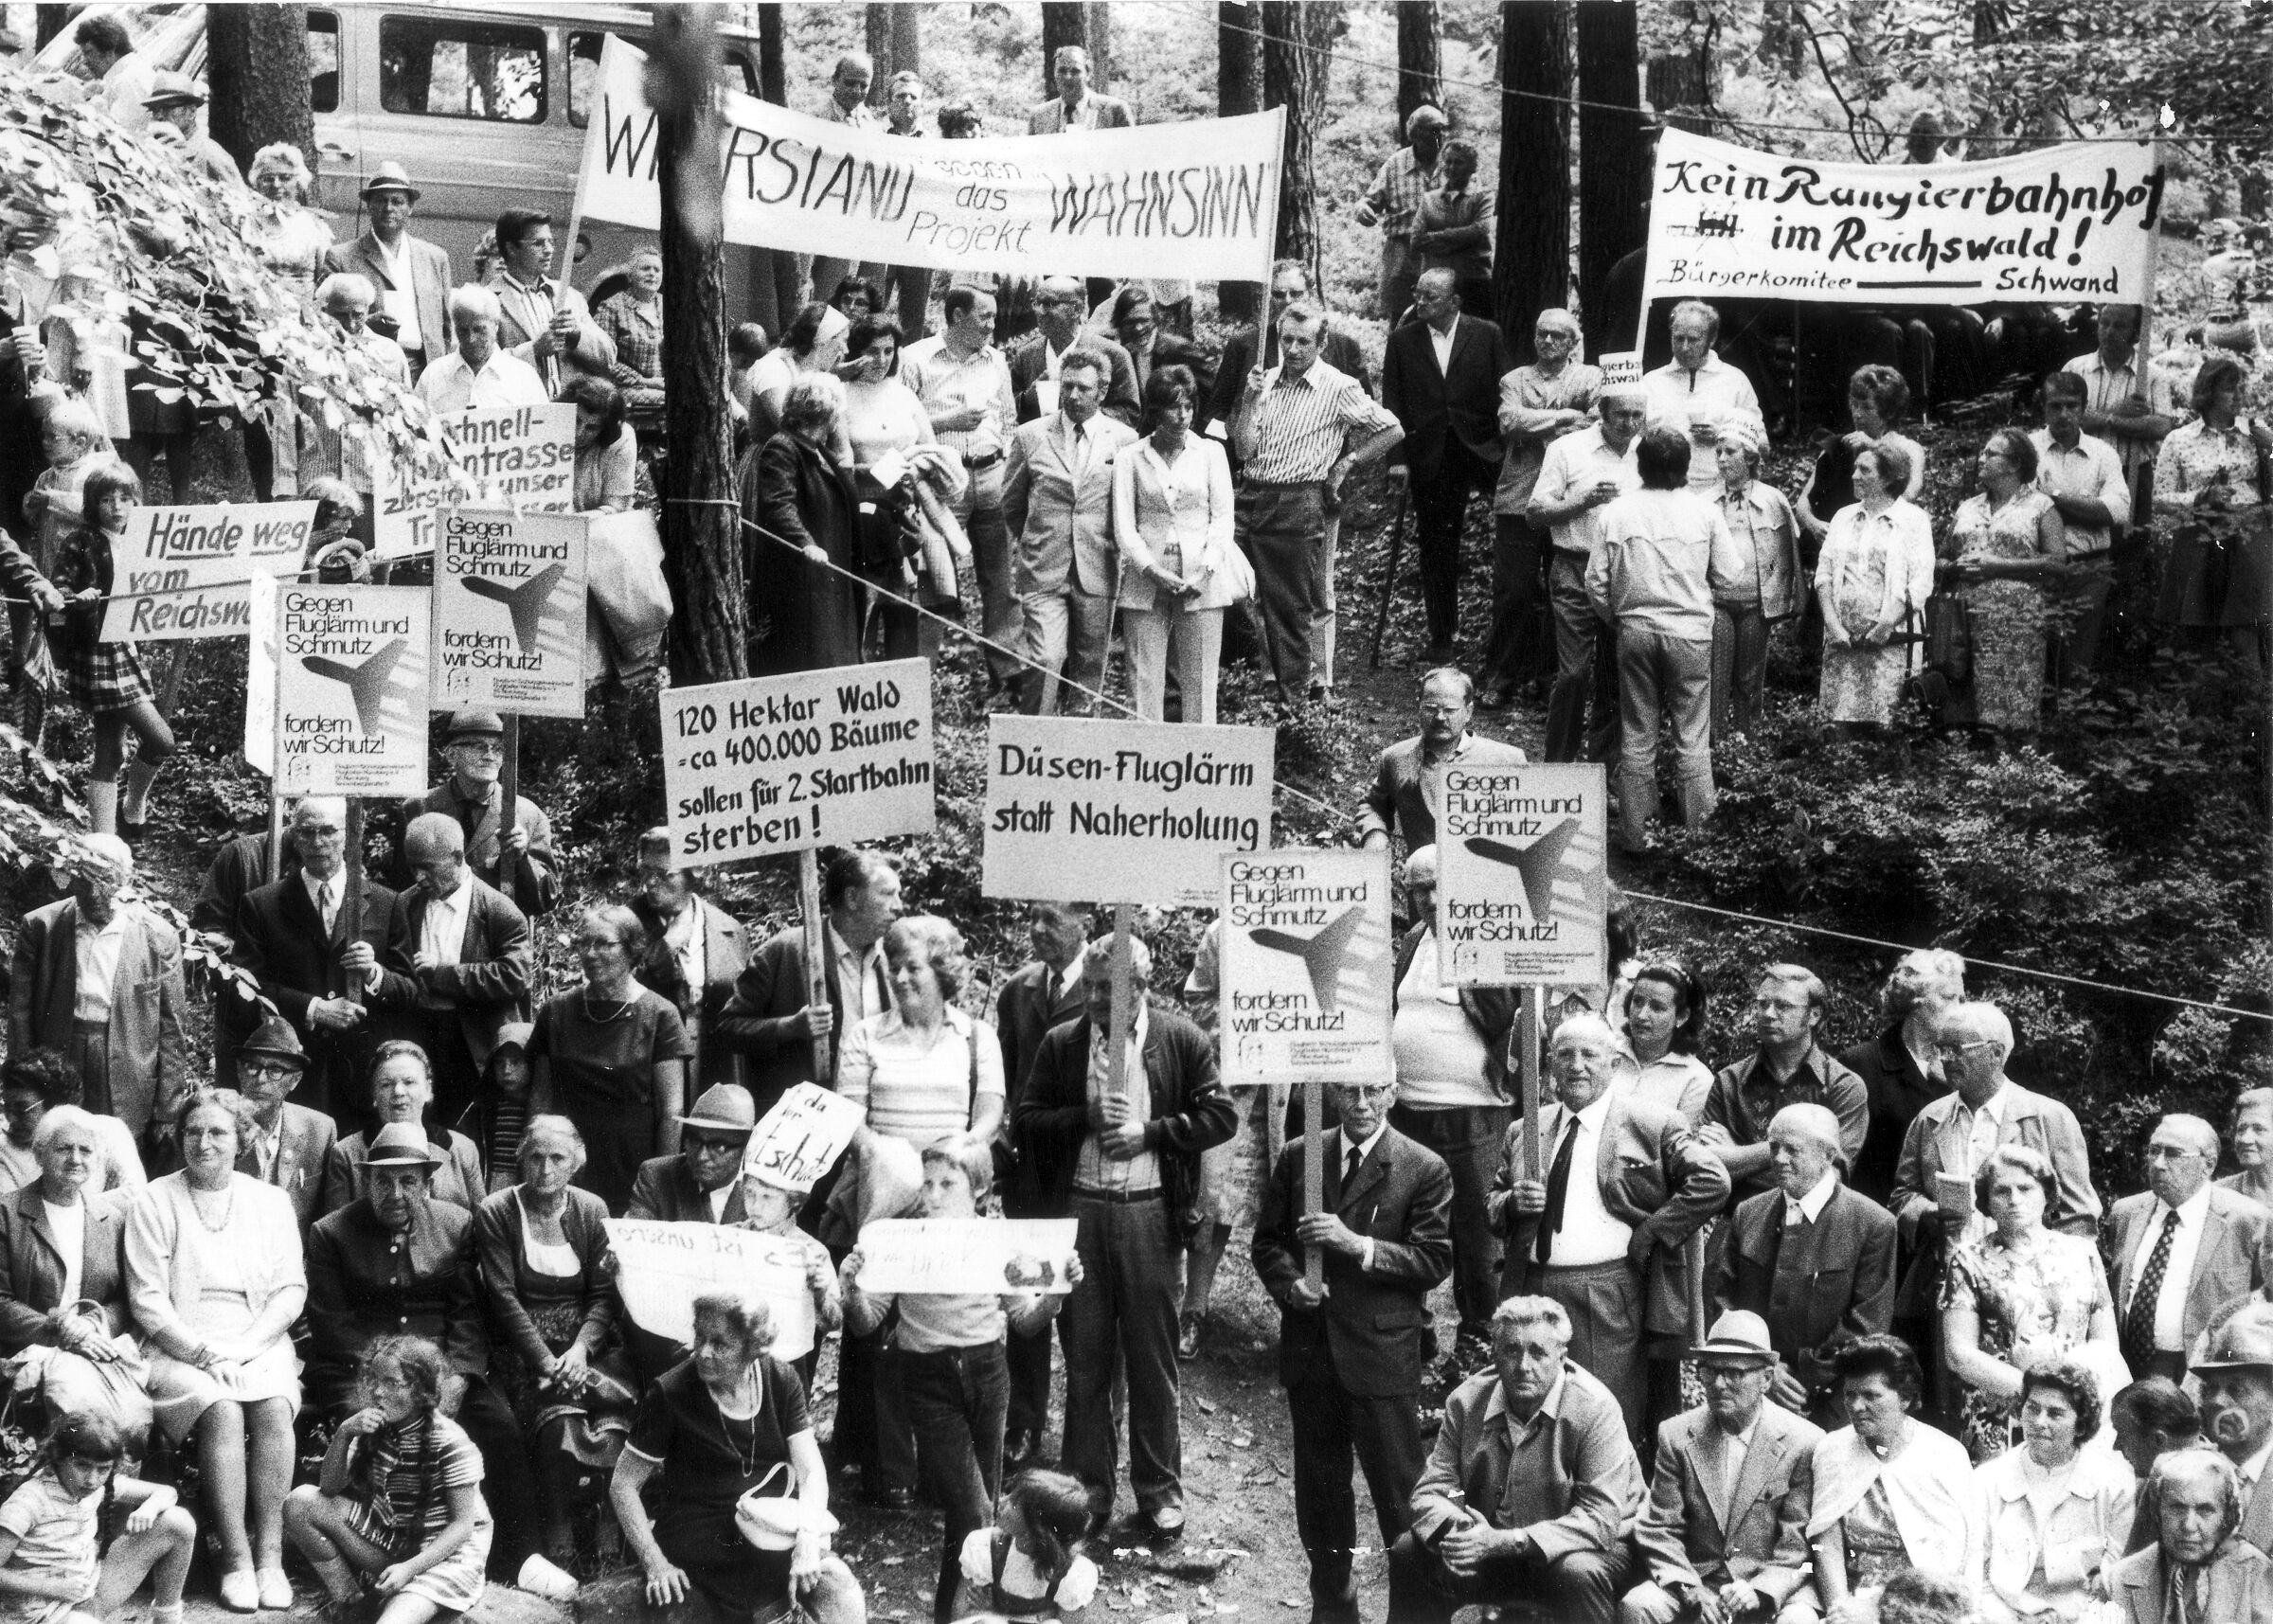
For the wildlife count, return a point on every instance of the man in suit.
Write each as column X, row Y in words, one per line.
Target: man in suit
column 540, row 319
column 1036, row 360
column 411, row 274
column 1441, row 375
column 1126, row 1166
column 695, row 953
column 769, row 1019
column 1532, row 1488
column 1350, row 1348
column 2198, row 1567
column 1948, row 1139
column 1057, row 500
column 1076, row 106
column 318, row 966
column 1812, row 1259
column 281, row 1143
column 99, row 979
column 1408, row 778
column 1789, row 1067
column 469, row 967
column 1136, row 324
column 2182, row 1251
column 1625, row 1186
column 1901, row 1077
column 1724, row 1533
column 517, row 861
column 702, row 1183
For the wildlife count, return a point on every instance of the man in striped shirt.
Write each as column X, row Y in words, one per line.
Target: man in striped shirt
column 1299, row 428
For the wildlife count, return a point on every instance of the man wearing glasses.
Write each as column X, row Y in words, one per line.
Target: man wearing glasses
column 1059, row 309
column 520, row 862
column 1789, row 1067
column 1408, row 779
column 2181, row 1250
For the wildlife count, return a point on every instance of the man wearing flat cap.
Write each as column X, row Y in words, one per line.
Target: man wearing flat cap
column 393, row 1262
column 1724, row 1533
column 411, row 274
column 278, row 1142
column 517, row 860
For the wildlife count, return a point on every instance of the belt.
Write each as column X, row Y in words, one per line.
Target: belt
column 1122, row 1197
column 1284, row 484
column 1609, row 1266
column 987, row 461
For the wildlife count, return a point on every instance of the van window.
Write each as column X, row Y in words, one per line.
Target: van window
column 734, row 71
column 323, row 62
column 454, row 68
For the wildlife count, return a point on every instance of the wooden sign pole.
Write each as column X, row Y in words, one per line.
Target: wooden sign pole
column 352, row 897
column 1314, row 1172
column 816, row 962
column 1124, row 1016
column 509, row 803
column 275, row 836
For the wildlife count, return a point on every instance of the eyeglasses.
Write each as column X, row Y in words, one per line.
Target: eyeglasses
column 266, row 1071
column 1951, row 1050
column 2171, row 1152
column 708, row 1142
column 488, row 749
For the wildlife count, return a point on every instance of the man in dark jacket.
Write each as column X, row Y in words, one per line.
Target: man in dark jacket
column 238, row 869
column 394, row 1263
column 468, row 961
column 1349, row 1347
column 695, row 953
column 518, row 860
column 1126, row 1163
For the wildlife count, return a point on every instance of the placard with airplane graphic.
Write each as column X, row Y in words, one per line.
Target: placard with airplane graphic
column 351, row 690
column 1307, row 955
column 1522, row 875
column 509, row 611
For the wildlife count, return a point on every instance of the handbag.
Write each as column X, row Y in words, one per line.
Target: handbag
column 1238, row 573
column 1949, row 638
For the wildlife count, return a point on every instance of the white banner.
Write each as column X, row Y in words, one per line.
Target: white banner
column 800, row 1138
column 661, row 1268
column 2053, row 226
column 1523, row 876
column 509, row 612
column 1080, row 809
column 351, row 695
column 962, row 1256
column 1197, row 200
column 179, row 573
column 1306, row 963
column 508, row 456
column 828, row 757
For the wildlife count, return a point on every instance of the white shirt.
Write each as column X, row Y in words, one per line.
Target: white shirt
column 1735, row 1448
column 98, row 947
column 448, row 385
column 718, row 1199
column 1093, row 1169
column 859, row 978
column 1343, row 1145
column 1809, row 1208
column 946, row 382
column 2178, row 1274
column 1716, row 396
column 1440, row 340
column 1982, row 1127
column 2253, row 1468
column 2093, row 470
column 1577, row 462
column 1590, row 1235
column 70, row 1226
column 319, row 890
column 443, row 930
column 265, row 1144
column 684, row 936
column 1069, row 979
column 401, row 302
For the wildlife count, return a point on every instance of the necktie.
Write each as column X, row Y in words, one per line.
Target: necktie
column 1558, row 1187
column 2189, row 1604
column 327, row 906
column 2139, row 1319
column 1081, row 449
column 1350, row 1169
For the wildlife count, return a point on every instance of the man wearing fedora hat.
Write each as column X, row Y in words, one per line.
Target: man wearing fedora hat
column 702, row 1183
column 281, row 1143
column 413, row 276
column 2236, row 1374
column 518, row 860
column 174, row 103
column 393, row 1262
column 1724, row 1533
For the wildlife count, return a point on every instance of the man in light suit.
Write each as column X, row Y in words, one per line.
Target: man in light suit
column 1408, row 779
column 1724, row 1533
column 469, row 966
column 540, row 320
column 412, row 275
column 1441, row 376
column 769, row 1019
column 1076, row 106
column 2198, row 1568
column 1350, row 1348
column 1057, row 500
column 1035, row 359
column 99, row 980
column 1624, row 1185
column 1812, row 1259
column 281, row 1143
column 2201, row 1245
column 695, row 953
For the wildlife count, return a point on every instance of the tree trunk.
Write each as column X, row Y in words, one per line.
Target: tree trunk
column 773, row 56
column 1294, row 78
column 1614, row 154
column 1783, row 38
column 1420, row 61
column 774, row 273
column 701, row 533
column 908, row 39
column 48, row 21
column 1063, row 23
column 1238, row 90
column 1679, row 84
column 1530, row 263
column 257, row 60
column 1098, row 28
column 879, row 46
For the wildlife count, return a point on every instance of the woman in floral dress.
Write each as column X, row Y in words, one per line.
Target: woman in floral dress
column 2009, row 542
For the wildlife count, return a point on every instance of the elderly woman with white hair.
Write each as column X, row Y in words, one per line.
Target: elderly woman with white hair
column 1873, row 580
column 801, row 553
column 482, row 372
column 290, row 238
column 2197, row 1566
column 63, row 1247
column 810, row 345
column 1756, row 579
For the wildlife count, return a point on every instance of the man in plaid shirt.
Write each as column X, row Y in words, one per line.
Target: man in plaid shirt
column 1407, row 175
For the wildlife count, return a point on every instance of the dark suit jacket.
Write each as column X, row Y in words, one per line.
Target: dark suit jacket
column 360, row 1288
column 769, row 994
column 489, row 983
column 303, row 1166
column 536, row 880
column 1026, row 359
column 2230, row 1263
column 2237, row 1589
column 1369, row 1330
column 1340, row 353
column 280, row 941
column 664, row 1190
column 150, row 1071
column 461, row 1181
column 1816, row 1284
column 1439, row 406
column 726, row 955
column 1898, row 1091
column 1190, row 1111
column 1028, row 1006
column 239, row 868
column 1395, row 804
column 32, row 1267
column 430, row 282
column 1692, row 1529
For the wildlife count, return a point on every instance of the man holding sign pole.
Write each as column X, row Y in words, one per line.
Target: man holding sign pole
column 518, row 861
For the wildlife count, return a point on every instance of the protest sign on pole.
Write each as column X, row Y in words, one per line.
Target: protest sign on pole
column 509, row 456
column 1084, row 809
column 509, row 612
column 789, row 763
column 351, row 693
column 1306, row 956
column 1522, row 875
column 800, row 1138
column 957, row 1257
column 179, row 573
column 1195, row 200
column 1620, row 368
column 260, row 676
column 2057, row 226
column 661, row 1268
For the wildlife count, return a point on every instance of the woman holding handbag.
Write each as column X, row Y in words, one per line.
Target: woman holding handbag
column 2011, row 543
column 1179, row 570
column 893, row 452
column 2209, row 472
column 1872, row 578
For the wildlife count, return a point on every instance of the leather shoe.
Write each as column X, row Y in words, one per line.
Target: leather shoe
column 1018, row 1446
column 893, row 1499
column 1187, row 1337
column 1165, row 1522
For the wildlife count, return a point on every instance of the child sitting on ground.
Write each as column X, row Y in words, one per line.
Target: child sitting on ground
column 53, row 1569
column 1029, row 1566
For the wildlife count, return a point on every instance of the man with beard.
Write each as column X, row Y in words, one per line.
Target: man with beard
column 1900, row 1074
